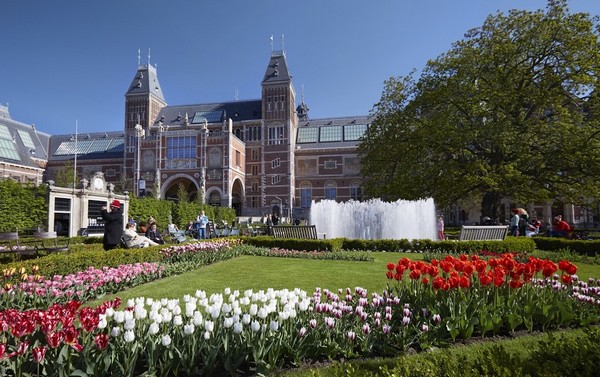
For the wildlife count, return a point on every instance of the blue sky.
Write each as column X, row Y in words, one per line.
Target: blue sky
column 65, row 62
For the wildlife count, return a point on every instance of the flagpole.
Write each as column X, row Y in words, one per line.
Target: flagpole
column 76, row 150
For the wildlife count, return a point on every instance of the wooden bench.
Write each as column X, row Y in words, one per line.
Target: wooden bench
column 10, row 243
column 483, row 233
column 296, row 231
column 48, row 241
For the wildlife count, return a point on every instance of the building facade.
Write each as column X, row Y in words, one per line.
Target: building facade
column 257, row 156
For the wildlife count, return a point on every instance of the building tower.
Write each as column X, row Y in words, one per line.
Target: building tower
column 143, row 101
column 278, row 142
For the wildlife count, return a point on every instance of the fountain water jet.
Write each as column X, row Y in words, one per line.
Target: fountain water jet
column 375, row 219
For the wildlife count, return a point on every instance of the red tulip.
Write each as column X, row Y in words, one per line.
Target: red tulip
column 38, row 354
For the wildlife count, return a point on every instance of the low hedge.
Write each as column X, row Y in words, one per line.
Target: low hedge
column 333, row 244
column 511, row 244
column 564, row 353
column 582, row 247
column 65, row 263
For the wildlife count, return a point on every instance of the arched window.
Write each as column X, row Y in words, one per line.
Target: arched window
column 355, row 191
column 330, row 190
column 305, row 194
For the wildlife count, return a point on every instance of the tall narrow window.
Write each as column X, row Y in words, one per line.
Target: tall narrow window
column 305, row 195
column 330, row 191
column 276, row 135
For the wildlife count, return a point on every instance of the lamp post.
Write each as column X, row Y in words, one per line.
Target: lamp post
column 157, row 178
column 139, row 133
column 203, row 162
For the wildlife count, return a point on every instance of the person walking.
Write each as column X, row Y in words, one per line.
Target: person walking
column 514, row 223
column 440, row 228
column 113, row 225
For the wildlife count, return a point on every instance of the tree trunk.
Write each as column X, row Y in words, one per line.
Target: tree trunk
column 490, row 204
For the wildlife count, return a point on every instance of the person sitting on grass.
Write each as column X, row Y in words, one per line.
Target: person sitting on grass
column 133, row 240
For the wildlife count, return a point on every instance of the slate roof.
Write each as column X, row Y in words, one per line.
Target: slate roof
column 212, row 112
column 20, row 143
column 146, row 81
column 277, row 70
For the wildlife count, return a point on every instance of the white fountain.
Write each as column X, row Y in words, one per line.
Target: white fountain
column 375, row 219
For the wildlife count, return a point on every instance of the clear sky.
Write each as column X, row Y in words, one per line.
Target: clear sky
column 66, row 62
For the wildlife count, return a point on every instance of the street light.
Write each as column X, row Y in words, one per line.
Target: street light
column 161, row 129
column 139, row 133
column 203, row 162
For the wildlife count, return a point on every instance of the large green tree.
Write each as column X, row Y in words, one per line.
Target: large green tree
column 512, row 110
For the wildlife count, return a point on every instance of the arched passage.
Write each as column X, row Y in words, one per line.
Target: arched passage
column 170, row 188
column 237, row 196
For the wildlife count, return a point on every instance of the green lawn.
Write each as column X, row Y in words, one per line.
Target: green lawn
column 248, row 272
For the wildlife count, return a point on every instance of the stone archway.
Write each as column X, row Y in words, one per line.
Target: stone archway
column 237, row 196
column 170, row 188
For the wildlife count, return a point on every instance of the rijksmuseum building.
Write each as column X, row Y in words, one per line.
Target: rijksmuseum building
column 257, row 156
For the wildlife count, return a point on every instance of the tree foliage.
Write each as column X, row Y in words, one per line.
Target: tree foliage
column 22, row 207
column 65, row 176
column 510, row 111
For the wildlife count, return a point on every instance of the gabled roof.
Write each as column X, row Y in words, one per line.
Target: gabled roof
column 20, row 143
column 212, row 112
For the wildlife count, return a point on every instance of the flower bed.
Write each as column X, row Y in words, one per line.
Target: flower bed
column 426, row 304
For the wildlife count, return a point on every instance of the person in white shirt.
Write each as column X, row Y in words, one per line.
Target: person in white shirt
column 132, row 239
column 201, row 221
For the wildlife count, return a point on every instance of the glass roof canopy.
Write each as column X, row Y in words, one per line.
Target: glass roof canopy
column 328, row 134
column 82, row 147
column 210, row 116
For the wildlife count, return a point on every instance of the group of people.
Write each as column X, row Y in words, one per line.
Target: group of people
column 114, row 232
column 520, row 225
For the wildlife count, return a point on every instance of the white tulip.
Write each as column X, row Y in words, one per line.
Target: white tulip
column 177, row 320
column 129, row 324
column 238, row 327
column 209, row 326
column 166, row 340
column 255, row 326
column 197, row 320
column 189, row 329
column 129, row 336
column 115, row 332
column 119, row 316
column 227, row 322
column 246, row 318
column 253, row 309
column 274, row 326
column 153, row 329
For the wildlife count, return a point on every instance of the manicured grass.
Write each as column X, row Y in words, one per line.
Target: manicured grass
column 258, row 273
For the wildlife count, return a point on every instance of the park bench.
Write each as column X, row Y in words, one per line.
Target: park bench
column 296, row 231
column 48, row 242
column 483, row 233
column 10, row 243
